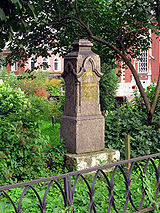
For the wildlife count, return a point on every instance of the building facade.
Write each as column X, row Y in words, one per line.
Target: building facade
column 147, row 67
column 54, row 64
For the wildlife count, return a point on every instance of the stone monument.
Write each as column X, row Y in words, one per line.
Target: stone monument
column 82, row 124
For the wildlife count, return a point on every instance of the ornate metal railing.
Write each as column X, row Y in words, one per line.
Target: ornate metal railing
column 144, row 168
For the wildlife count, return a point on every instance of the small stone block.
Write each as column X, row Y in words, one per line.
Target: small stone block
column 89, row 160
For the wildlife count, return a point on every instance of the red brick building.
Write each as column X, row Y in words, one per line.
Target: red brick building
column 55, row 64
column 147, row 68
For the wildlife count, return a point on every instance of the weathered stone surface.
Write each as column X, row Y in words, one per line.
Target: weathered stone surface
column 83, row 134
column 82, row 125
column 89, row 160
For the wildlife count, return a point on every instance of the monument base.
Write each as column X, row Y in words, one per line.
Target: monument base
column 89, row 160
column 83, row 134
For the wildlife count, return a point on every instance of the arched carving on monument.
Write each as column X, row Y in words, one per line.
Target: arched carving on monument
column 83, row 68
column 69, row 67
column 89, row 59
column 81, row 71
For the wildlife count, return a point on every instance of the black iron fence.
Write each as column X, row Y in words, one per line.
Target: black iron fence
column 144, row 171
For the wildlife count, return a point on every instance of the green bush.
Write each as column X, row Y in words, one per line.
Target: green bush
column 39, row 88
column 24, row 149
column 48, row 108
column 139, row 104
column 17, row 133
column 44, row 107
column 56, row 150
column 8, row 77
column 130, row 119
column 108, row 87
column 38, row 83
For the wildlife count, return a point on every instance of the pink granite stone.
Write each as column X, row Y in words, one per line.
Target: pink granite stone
column 82, row 124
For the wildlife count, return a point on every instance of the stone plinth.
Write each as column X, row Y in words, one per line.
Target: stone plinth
column 89, row 160
column 83, row 134
column 82, row 125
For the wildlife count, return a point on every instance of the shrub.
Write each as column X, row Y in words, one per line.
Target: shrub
column 44, row 94
column 8, row 77
column 108, row 87
column 130, row 119
column 47, row 108
column 138, row 102
column 30, row 148
column 56, row 150
column 38, row 83
column 54, row 86
column 31, row 87
column 21, row 143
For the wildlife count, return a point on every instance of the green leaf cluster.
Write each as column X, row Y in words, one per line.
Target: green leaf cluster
column 26, row 152
column 42, row 26
column 108, row 87
column 129, row 120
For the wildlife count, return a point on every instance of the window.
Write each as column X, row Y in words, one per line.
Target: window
column 56, row 64
column 14, row 67
column 143, row 62
column 45, row 65
column 33, row 63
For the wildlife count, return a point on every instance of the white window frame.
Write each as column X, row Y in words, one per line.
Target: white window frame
column 57, row 64
column 46, row 60
column 143, row 62
column 35, row 63
column 14, row 67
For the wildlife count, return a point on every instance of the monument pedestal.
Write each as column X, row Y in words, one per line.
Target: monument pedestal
column 83, row 134
column 92, row 159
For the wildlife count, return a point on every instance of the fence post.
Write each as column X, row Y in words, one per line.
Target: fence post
column 127, row 150
column 68, row 194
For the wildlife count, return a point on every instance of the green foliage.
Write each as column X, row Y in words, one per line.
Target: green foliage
column 26, row 74
column 8, row 77
column 138, row 102
column 47, row 108
column 38, row 88
column 10, row 13
column 25, row 151
column 127, row 21
column 54, row 86
column 44, row 107
column 32, row 83
column 56, row 147
column 19, row 135
column 108, row 86
column 130, row 119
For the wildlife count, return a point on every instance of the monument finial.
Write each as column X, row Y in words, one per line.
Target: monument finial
column 82, row 44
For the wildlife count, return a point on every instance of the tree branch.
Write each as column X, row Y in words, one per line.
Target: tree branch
column 80, row 20
column 129, row 64
column 157, row 92
column 76, row 9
